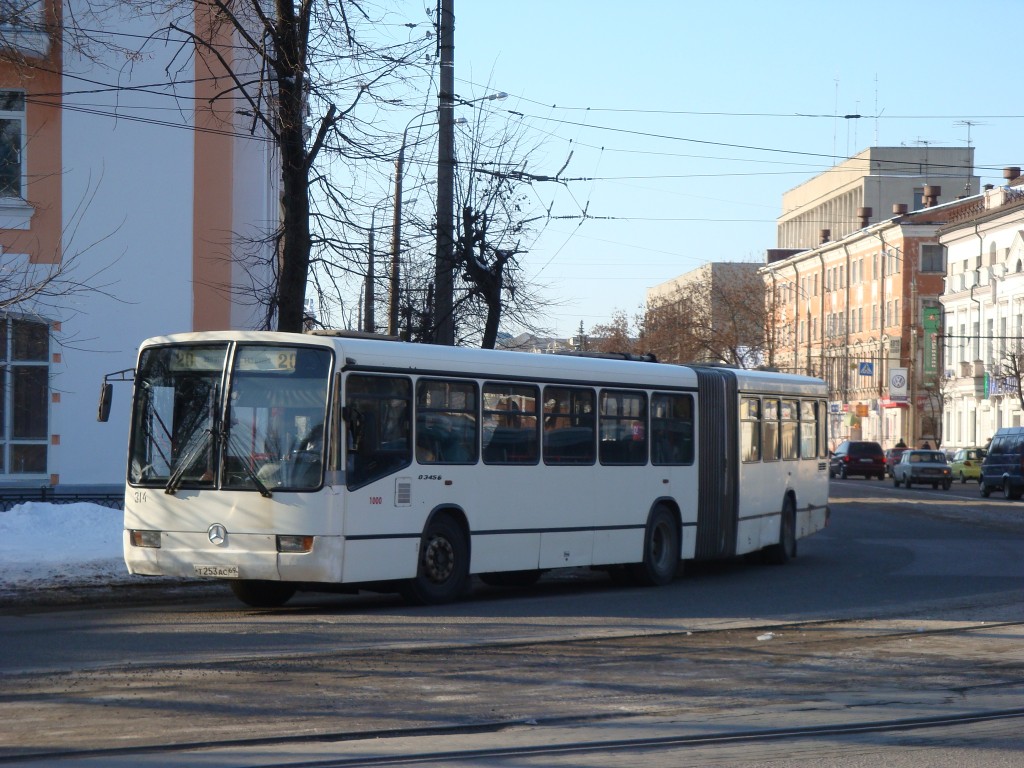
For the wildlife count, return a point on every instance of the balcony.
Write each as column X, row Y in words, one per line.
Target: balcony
column 972, row 370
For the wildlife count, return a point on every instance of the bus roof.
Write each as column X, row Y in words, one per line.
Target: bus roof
column 426, row 359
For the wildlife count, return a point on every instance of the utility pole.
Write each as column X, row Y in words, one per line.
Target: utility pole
column 443, row 320
column 396, row 242
column 368, row 319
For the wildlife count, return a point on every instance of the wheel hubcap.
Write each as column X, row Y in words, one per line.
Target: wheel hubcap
column 438, row 559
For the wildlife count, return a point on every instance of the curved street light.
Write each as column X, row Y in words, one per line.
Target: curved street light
column 396, row 225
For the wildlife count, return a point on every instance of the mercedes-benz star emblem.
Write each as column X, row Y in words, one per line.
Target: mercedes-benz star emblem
column 218, row 534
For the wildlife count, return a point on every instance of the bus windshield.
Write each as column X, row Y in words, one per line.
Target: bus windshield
column 261, row 428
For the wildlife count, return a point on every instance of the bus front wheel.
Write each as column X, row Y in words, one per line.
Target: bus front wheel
column 263, row 594
column 661, row 551
column 442, row 571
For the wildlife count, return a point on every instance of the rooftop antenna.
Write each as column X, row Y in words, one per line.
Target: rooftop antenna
column 835, row 121
column 876, row 109
column 927, row 168
column 969, row 124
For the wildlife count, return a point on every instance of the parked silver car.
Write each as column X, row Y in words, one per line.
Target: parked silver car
column 922, row 467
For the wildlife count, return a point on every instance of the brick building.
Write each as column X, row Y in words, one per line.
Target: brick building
column 863, row 313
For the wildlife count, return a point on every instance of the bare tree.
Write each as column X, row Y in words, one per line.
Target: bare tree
column 718, row 315
column 1012, row 371
column 615, row 336
column 499, row 217
column 316, row 79
column 667, row 330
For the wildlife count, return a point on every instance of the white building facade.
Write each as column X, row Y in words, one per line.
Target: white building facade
column 122, row 177
column 983, row 308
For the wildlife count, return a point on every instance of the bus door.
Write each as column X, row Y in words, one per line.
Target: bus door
column 718, row 471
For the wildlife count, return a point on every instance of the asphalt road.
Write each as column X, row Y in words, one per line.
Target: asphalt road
column 895, row 635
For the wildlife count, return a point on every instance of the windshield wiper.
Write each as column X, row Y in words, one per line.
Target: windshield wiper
column 260, row 485
column 174, row 481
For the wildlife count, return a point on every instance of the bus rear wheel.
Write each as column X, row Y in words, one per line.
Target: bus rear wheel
column 661, row 551
column 785, row 550
column 263, row 594
column 442, row 571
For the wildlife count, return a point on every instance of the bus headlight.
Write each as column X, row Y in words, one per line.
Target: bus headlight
column 295, row 544
column 149, row 539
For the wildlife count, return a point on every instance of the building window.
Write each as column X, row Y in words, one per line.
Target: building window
column 12, row 131
column 25, row 382
column 20, row 14
column 933, row 258
column 22, row 27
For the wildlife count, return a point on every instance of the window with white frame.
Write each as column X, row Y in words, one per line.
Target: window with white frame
column 16, row 13
column 25, row 389
column 12, row 131
column 23, row 26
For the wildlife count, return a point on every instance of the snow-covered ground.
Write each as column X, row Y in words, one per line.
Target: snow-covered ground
column 53, row 545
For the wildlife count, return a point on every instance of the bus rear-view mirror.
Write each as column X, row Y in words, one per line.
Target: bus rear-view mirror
column 106, row 397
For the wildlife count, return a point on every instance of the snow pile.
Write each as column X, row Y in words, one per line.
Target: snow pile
column 54, row 545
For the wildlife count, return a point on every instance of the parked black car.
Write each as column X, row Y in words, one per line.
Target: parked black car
column 857, row 457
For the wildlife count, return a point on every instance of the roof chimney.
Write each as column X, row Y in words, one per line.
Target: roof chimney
column 863, row 214
column 1012, row 175
column 931, row 195
column 900, row 209
column 824, row 235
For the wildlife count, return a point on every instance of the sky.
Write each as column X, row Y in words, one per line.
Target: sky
column 677, row 125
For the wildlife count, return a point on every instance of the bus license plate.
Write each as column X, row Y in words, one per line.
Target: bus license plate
column 217, row 571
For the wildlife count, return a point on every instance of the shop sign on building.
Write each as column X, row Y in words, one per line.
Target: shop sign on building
column 932, row 325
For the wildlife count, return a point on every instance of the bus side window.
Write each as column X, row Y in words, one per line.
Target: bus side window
column 446, row 422
column 770, row 427
column 808, row 429
column 671, row 429
column 790, row 426
column 822, row 429
column 376, row 415
column 750, row 429
column 623, row 427
column 510, row 423
column 569, row 433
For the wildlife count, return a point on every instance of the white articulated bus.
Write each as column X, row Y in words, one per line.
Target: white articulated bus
column 283, row 462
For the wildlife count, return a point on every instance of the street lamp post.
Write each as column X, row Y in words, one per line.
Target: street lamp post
column 396, row 228
column 396, row 224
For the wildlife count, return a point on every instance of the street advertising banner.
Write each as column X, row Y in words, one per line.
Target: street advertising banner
column 898, row 385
